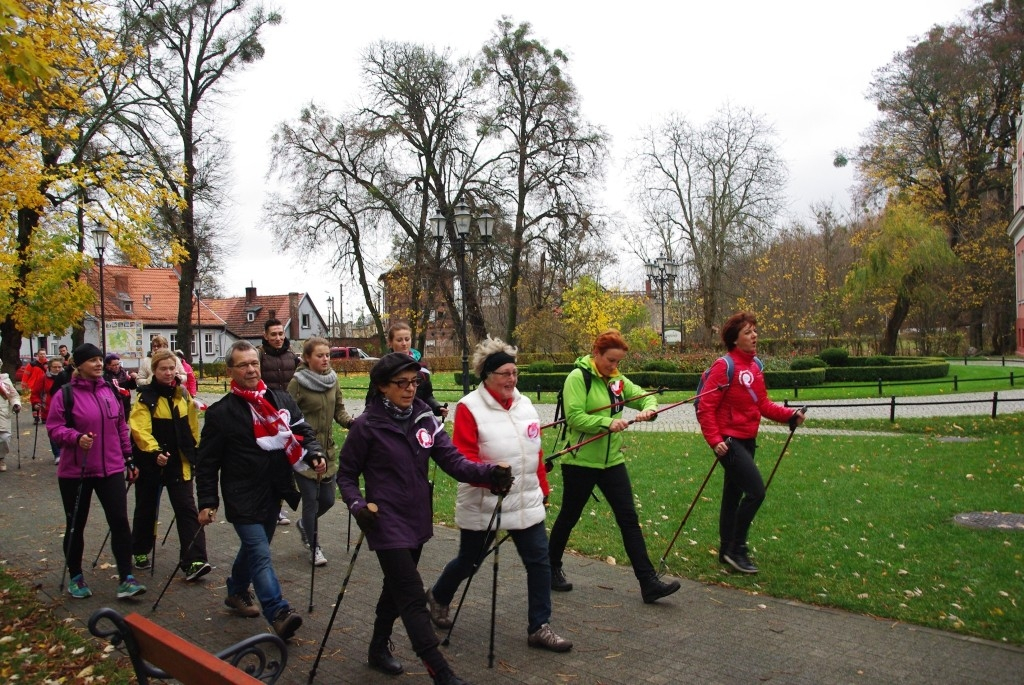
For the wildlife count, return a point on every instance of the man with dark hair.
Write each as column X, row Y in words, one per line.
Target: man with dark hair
column 277, row 366
column 277, row 361
column 65, row 355
column 253, row 439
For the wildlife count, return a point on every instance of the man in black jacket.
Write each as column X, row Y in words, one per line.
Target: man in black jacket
column 253, row 438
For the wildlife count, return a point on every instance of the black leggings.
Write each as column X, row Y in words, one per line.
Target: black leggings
column 577, row 484
column 403, row 596
column 742, row 492
column 112, row 494
column 191, row 536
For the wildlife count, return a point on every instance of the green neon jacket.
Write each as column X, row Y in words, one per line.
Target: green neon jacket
column 584, row 423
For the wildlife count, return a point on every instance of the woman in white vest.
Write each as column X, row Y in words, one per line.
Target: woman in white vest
column 496, row 424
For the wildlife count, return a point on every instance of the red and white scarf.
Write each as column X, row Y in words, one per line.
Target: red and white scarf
column 272, row 426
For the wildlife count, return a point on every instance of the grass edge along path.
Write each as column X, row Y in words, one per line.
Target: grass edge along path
column 36, row 646
column 860, row 523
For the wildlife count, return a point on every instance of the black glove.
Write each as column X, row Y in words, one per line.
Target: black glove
column 793, row 418
column 131, row 472
column 546, row 502
column 501, row 480
column 366, row 519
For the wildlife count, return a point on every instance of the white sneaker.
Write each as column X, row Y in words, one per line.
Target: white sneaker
column 282, row 520
column 3, row 465
column 318, row 558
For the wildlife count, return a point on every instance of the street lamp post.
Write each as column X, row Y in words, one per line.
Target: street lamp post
column 463, row 219
column 99, row 238
column 330, row 317
column 662, row 271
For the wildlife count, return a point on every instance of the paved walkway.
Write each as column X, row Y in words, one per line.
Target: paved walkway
column 704, row 633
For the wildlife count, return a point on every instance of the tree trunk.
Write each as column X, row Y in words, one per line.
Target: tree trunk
column 894, row 323
column 10, row 334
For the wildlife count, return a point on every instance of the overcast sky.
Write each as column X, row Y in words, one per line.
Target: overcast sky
column 803, row 65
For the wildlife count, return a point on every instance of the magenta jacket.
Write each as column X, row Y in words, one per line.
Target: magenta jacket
column 98, row 410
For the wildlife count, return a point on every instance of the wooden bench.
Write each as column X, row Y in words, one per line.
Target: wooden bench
column 158, row 653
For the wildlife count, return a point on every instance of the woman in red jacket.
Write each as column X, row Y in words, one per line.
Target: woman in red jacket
column 729, row 421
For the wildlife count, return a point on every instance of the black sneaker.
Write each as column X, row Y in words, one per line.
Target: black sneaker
column 738, row 559
column 195, row 570
column 302, row 534
column 653, row 589
column 559, row 583
column 380, row 657
column 286, row 623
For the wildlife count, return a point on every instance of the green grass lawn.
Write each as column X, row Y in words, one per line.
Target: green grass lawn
column 863, row 523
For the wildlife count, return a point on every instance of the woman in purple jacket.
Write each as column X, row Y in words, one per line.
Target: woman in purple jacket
column 390, row 445
column 96, row 457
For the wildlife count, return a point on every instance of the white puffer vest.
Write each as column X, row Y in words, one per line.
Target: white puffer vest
column 513, row 437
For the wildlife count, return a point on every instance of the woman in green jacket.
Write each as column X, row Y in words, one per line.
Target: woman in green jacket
column 596, row 382
column 315, row 388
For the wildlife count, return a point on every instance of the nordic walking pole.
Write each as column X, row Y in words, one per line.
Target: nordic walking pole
column 549, row 462
column 169, row 527
column 17, row 429
column 348, row 536
column 659, row 391
column 70, row 538
column 494, row 585
column 312, row 549
column 35, row 440
column 662, row 565
column 341, row 595
column 175, row 571
column 792, row 429
column 107, row 536
column 484, row 551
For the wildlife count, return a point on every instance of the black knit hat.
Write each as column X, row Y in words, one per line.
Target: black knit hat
column 85, row 352
column 391, row 365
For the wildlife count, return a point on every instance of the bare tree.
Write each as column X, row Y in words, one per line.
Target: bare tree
column 552, row 154
column 191, row 47
column 709, row 194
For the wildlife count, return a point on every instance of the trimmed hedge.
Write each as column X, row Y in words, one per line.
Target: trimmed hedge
column 804, row 363
column 552, row 382
column 896, row 372
column 835, row 356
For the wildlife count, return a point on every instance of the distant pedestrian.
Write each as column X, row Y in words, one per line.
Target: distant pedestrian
column 10, row 403
column 252, row 441
column 123, row 381
column 729, row 421
column 30, row 380
column 145, row 374
column 316, row 390
column 96, row 457
column 400, row 340
column 389, row 447
column 165, row 430
column 596, row 382
column 56, row 376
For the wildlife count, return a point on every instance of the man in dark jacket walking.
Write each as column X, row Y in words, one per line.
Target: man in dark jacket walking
column 253, row 439
column 277, row 366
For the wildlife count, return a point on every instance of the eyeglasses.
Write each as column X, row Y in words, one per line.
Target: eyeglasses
column 404, row 383
column 505, row 374
column 247, row 365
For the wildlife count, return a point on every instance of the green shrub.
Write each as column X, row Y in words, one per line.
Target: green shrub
column 664, row 365
column 541, row 366
column 804, row 363
column 903, row 372
column 878, row 360
column 835, row 356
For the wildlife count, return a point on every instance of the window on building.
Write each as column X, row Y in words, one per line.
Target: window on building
column 192, row 347
column 305, row 320
column 208, row 344
column 174, row 341
column 128, row 306
column 250, row 316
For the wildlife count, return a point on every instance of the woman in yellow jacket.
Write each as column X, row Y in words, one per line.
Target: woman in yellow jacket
column 165, row 433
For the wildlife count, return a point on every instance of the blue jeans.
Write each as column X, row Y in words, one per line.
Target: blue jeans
column 532, row 545
column 252, row 566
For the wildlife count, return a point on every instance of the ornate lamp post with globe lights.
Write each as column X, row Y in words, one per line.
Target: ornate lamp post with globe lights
column 463, row 219
column 99, row 238
column 662, row 271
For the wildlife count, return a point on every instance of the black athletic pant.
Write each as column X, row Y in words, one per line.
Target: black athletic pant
column 742, row 492
column 403, row 596
column 110, row 491
column 577, row 484
column 186, row 518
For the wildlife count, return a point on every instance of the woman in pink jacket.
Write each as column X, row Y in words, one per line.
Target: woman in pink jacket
column 96, row 458
column 729, row 421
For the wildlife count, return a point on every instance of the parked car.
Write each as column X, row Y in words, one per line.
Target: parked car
column 23, row 365
column 351, row 353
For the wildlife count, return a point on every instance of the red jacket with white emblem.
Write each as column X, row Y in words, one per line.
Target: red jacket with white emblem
column 737, row 411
